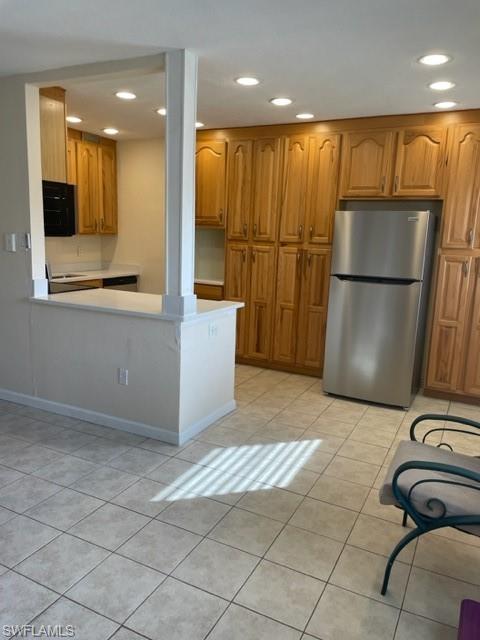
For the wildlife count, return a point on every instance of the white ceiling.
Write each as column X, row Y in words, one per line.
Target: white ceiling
column 336, row 58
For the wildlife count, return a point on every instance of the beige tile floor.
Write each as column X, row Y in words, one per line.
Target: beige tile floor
column 267, row 526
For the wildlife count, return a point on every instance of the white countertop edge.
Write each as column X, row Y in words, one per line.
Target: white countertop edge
column 214, row 283
column 223, row 308
column 98, row 274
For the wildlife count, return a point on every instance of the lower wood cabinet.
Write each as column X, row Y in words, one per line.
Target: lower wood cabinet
column 454, row 361
column 471, row 384
column 301, row 306
column 250, row 278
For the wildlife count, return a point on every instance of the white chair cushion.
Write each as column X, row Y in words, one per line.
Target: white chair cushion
column 457, row 500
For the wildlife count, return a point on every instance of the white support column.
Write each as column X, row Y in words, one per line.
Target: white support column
column 181, row 104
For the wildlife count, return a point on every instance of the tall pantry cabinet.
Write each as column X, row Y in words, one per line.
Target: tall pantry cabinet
column 281, row 196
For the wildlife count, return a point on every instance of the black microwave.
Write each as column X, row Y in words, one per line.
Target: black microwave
column 58, row 208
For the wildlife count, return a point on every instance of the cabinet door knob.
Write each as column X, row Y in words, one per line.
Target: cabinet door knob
column 310, row 231
column 244, row 254
column 395, row 188
column 309, row 258
column 220, row 215
column 253, row 255
column 255, row 229
column 300, row 231
column 465, row 268
column 382, row 186
column 245, row 229
column 470, row 237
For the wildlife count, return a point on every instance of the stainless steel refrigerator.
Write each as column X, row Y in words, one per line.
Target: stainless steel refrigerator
column 377, row 305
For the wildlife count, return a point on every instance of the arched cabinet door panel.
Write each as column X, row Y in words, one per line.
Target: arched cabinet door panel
column 366, row 164
column 210, row 179
column 420, row 161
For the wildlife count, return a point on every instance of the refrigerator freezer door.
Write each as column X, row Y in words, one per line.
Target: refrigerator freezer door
column 370, row 345
column 384, row 244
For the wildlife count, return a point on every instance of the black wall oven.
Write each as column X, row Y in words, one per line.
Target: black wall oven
column 58, row 208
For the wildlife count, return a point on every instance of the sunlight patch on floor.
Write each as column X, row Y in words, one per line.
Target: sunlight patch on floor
column 257, row 467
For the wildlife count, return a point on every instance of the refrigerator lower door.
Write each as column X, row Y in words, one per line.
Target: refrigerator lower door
column 370, row 343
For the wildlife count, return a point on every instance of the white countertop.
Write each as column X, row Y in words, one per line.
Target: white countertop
column 216, row 283
column 133, row 303
column 114, row 271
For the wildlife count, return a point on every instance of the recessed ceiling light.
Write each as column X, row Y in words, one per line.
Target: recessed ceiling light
column 247, row 81
column 304, row 116
column 73, row 119
column 441, row 85
column 199, row 125
column 434, row 59
column 162, row 111
column 448, row 104
column 110, row 131
column 125, row 95
column 281, row 102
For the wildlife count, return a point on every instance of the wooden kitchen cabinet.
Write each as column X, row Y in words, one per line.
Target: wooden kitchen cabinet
column 323, row 165
column 107, row 158
column 260, row 301
column 53, row 138
column 210, row 183
column 266, row 183
column 450, row 316
column 461, row 225
column 239, row 165
column 419, row 162
column 71, row 161
column 96, row 180
column 366, row 164
column 301, row 306
column 471, row 384
column 294, row 188
column 313, row 308
column 236, row 287
column 88, row 188
column 286, row 304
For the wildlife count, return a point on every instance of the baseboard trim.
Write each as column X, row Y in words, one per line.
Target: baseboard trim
column 101, row 419
column 195, row 428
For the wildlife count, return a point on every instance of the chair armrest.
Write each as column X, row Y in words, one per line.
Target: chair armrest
column 444, row 418
column 458, row 474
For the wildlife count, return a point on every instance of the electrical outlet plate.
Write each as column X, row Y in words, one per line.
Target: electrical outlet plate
column 122, row 376
column 212, row 330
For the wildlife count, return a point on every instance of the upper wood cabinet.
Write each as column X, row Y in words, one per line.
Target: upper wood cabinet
column 366, row 164
column 294, row 189
column 419, row 162
column 471, row 384
column 96, row 180
column 260, row 301
column 236, row 287
column 108, row 223
column 88, row 188
column 323, row 163
column 313, row 308
column 210, row 183
column 239, row 188
column 266, row 183
column 53, row 134
column 286, row 304
column 445, row 361
column 461, row 226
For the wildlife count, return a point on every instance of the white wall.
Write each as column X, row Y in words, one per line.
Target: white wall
column 209, row 254
column 74, row 249
column 141, row 212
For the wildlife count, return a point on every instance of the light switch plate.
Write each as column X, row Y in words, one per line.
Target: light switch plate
column 10, row 240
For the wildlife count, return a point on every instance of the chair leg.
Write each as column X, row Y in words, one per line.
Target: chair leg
column 405, row 518
column 403, row 543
